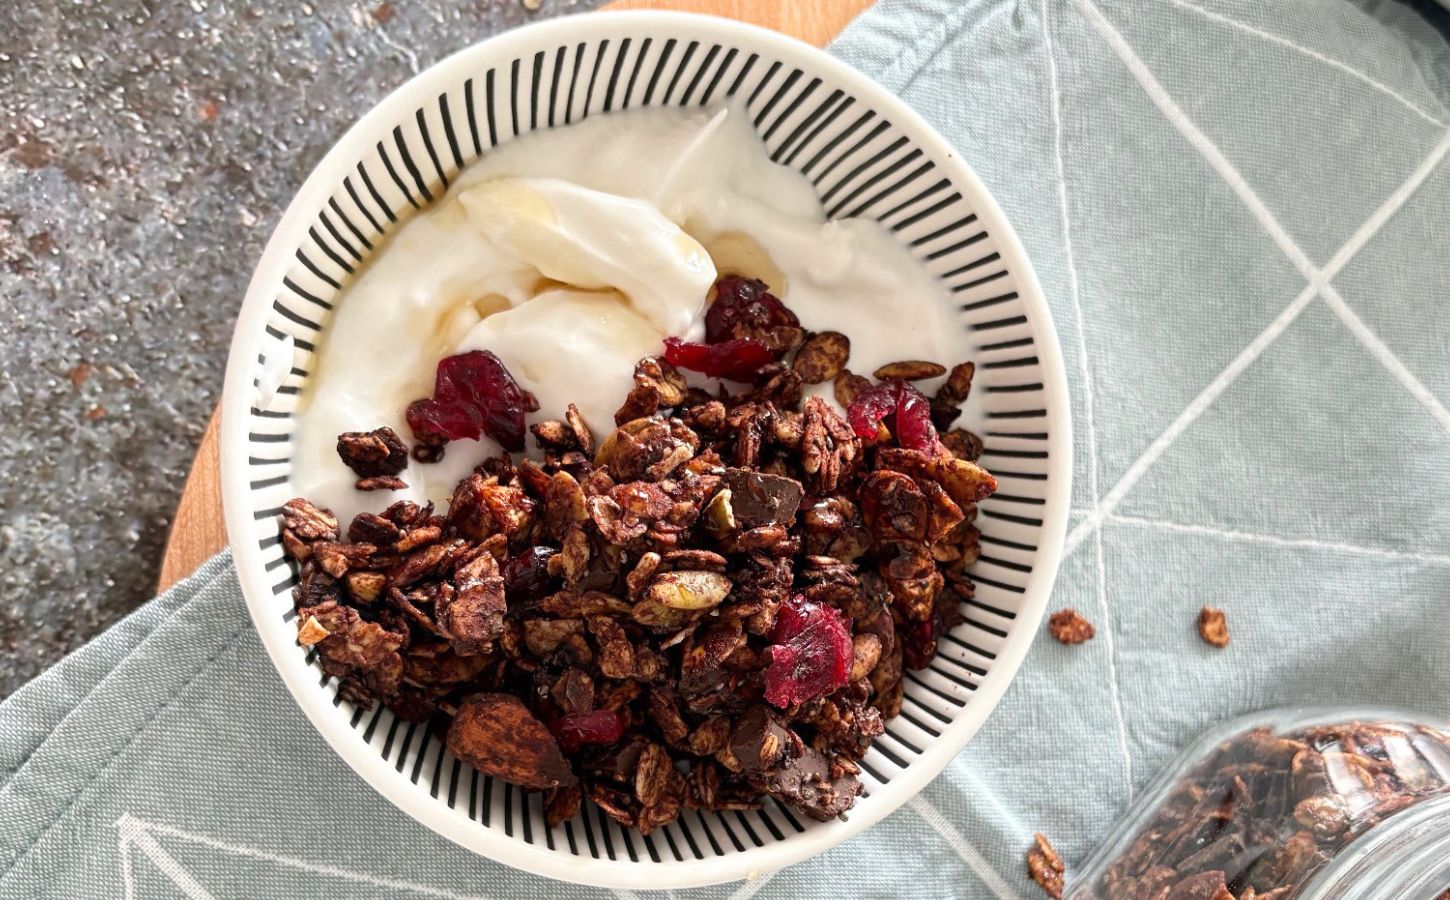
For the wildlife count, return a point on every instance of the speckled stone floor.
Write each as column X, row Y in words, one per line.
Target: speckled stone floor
column 147, row 148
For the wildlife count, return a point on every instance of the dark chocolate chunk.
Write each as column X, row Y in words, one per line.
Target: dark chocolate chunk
column 805, row 784
column 759, row 742
column 761, row 499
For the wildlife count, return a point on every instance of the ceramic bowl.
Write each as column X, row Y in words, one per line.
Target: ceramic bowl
column 868, row 155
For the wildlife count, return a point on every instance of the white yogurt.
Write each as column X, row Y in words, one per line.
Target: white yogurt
column 572, row 253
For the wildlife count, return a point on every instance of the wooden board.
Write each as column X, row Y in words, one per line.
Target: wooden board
column 813, row 21
column 197, row 530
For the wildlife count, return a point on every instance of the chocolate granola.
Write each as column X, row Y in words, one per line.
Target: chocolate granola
column 711, row 605
column 373, row 454
column 1265, row 811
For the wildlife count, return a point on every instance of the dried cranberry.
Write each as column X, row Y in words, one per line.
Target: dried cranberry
column 577, row 730
column 526, row 575
column 811, row 655
column 908, row 409
column 744, row 308
column 736, row 360
column 473, row 395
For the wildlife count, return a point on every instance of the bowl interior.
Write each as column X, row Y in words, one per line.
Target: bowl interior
column 867, row 155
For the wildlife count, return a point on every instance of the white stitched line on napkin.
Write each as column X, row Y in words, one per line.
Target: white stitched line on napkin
column 1356, row 326
column 1200, row 141
column 1017, row 831
column 128, row 874
column 1318, row 278
column 140, row 833
column 1261, row 343
column 1090, row 414
column 983, row 869
column 133, row 836
column 96, row 775
column 1312, row 54
column 1250, row 537
column 1387, row 358
column 142, row 827
column 1203, row 401
column 1386, row 210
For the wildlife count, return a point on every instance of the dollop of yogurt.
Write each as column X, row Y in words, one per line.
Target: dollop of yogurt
column 573, row 252
column 596, row 241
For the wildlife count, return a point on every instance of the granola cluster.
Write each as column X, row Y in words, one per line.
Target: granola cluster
column 1266, row 811
column 711, row 605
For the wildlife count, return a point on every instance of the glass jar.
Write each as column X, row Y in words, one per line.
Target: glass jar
column 1308, row 804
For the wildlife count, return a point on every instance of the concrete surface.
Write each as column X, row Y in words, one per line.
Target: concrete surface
column 147, row 149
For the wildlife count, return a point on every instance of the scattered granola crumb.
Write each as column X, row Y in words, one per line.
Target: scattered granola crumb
column 208, row 110
column 1068, row 627
column 96, row 413
column 1045, row 866
column 1212, row 626
column 532, row 5
column 79, row 374
column 383, row 13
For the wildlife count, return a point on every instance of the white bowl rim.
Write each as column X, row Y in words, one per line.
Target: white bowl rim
column 300, row 681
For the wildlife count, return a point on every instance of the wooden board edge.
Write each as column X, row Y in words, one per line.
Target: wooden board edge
column 197, row 530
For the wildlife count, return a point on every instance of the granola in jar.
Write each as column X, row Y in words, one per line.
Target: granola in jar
column 1269, row 807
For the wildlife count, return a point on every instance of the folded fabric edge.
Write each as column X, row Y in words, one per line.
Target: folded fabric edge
column 887, row 40
column 30, row 714
column 55, row 786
